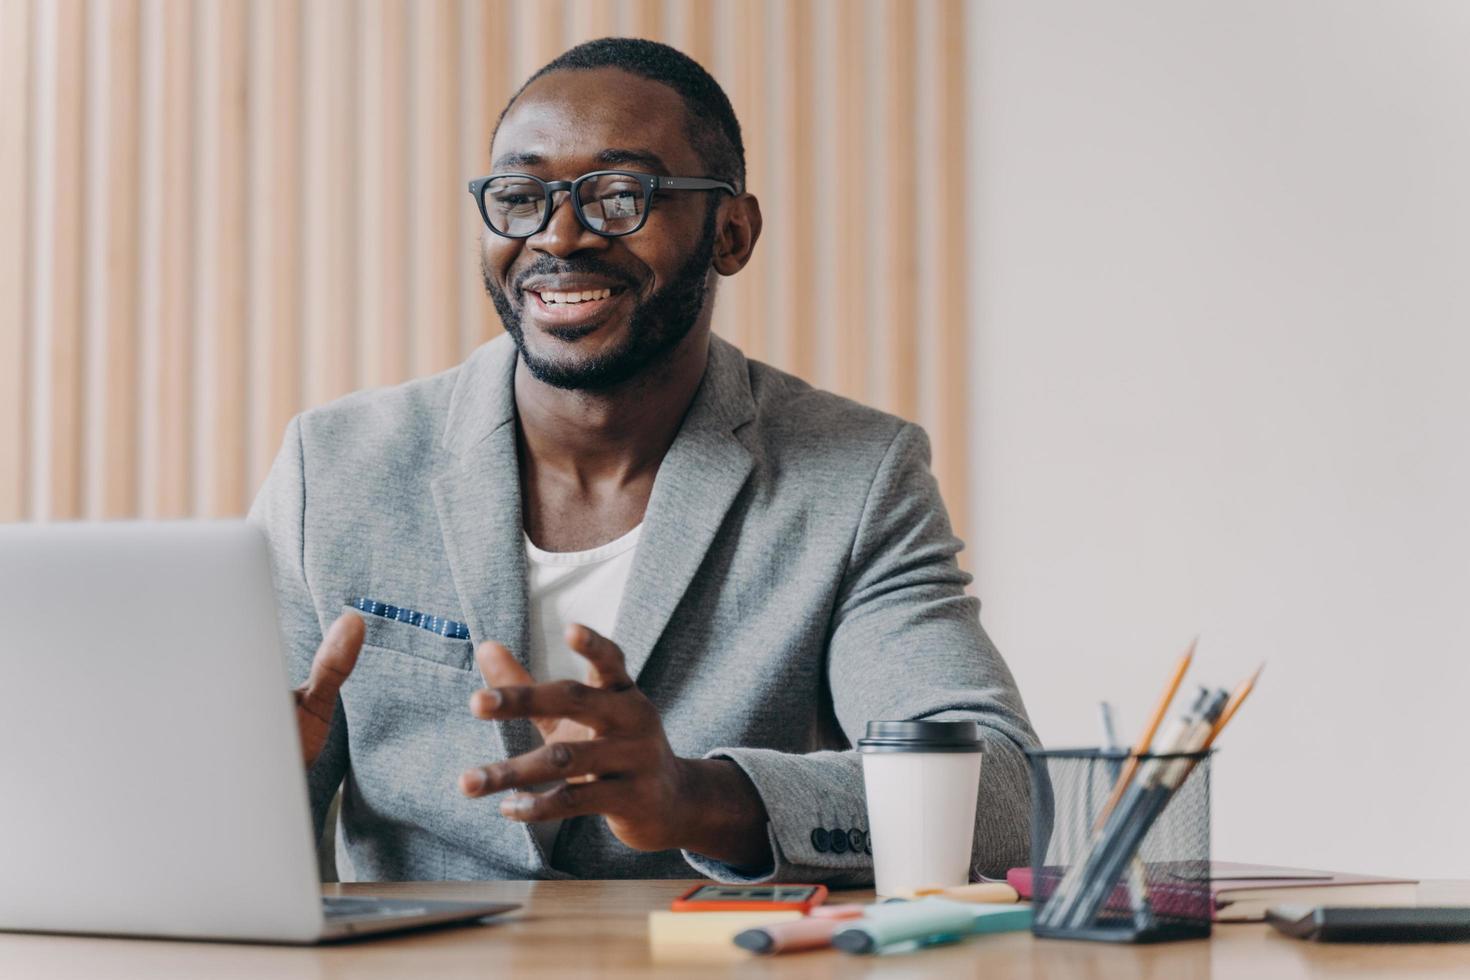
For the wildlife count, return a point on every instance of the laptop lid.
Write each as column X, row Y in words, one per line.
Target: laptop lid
column 150, row 769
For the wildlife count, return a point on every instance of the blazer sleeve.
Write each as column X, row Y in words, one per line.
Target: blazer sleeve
column 905, row 644
column 280, row 509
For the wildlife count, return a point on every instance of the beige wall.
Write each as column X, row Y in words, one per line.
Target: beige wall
column 213, row 215
column 1220, row 371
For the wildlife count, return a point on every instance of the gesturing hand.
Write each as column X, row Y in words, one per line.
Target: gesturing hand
column 607, row 751
column 316, row 700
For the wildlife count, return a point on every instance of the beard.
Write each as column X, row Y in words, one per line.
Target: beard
column 657, row 325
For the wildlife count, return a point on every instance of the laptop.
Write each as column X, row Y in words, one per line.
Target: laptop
column 150, row 768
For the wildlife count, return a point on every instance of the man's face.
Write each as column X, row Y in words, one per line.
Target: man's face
column 566, row 124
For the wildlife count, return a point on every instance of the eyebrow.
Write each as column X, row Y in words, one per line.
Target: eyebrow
column 647, row 158
column 611, row 157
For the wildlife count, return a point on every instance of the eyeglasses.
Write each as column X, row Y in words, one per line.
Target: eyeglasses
column 610, row 203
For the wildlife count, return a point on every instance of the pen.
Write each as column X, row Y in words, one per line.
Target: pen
column 1110, row 733
column 1137, row 873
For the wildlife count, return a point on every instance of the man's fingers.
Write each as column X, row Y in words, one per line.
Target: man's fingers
column 566, row 800
column 332, row 664
column 498, row 666
column 558, row 760
column 591, row 706
column 609, row 669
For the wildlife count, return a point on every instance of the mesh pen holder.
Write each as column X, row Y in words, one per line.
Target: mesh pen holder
column 1141, row 875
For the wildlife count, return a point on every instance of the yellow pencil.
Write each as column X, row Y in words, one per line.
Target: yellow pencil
column 1147, row 738
column 1237, row 698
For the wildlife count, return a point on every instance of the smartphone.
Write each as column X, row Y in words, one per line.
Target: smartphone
column 750, row 898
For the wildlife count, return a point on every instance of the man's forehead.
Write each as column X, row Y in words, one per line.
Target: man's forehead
column 607, row 116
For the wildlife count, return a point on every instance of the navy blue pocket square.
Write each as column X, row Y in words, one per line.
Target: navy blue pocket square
column 434, row 624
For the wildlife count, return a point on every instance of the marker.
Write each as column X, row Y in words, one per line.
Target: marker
column 813, row 932
column 980, row 892
column 789, row 937
column 928, row 921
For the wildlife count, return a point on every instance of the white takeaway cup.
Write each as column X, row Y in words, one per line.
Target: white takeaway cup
column 923, row 783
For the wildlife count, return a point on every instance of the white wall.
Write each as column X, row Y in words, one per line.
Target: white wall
column 1221, row 369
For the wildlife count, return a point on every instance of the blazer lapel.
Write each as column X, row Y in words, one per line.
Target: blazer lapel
column 695, row 487
column 478, row 497
column 479, row 503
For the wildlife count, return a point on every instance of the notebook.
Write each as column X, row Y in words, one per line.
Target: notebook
column 1243, row 892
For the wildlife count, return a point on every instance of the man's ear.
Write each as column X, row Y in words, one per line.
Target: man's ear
column 740, row 227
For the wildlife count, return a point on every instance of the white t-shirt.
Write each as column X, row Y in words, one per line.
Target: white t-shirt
column 572, row 587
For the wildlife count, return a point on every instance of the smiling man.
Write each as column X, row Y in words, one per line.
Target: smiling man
column 609, row 599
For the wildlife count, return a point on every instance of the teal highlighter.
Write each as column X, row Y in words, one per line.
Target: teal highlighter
column 927, row 922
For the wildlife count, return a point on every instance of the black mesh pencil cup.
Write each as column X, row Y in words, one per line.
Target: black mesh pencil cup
column 1130, row 869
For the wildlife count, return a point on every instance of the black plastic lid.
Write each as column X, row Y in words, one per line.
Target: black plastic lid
column 921, row 736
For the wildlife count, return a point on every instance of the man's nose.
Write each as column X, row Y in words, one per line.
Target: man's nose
column 564, row 234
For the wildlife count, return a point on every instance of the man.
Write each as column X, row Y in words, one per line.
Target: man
column 628, row 598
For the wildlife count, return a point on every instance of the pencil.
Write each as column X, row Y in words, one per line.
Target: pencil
column 1149, row 730
column 1237, row 698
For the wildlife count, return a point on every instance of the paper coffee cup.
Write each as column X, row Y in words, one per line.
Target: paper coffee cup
column 923, row 781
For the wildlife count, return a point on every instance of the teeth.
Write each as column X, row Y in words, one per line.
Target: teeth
column 578, row 297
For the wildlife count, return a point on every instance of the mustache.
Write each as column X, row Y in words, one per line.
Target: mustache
column 546, row 265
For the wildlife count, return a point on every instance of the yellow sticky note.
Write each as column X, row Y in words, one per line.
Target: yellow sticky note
column 709, row 927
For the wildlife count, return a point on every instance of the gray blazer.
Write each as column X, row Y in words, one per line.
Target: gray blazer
column 795, row 578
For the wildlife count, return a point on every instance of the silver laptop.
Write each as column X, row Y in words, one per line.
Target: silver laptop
column 150, row 768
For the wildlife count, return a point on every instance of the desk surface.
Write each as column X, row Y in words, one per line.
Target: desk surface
column 599, row 928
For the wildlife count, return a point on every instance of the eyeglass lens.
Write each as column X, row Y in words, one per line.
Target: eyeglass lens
column 611, row 203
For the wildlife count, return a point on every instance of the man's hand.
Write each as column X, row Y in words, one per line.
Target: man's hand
column 316, row 700
column 606, row 749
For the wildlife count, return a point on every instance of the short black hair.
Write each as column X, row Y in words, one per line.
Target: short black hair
column 713, row 128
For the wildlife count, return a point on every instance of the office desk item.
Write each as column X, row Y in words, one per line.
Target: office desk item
column 789, row 937
column 922, row 783
column 1110, row 730
column 1117, row 831
column 750, row 898
column 149, row 755
column 1237, row 698
column 1141, row 829
column 812, row 932
column 985, row 892
column 713, row 928
column 927, row 921
column 591, row 929
column 1243, row 892
column 1150, row 729
column 1077, row 879
column 1367, row 924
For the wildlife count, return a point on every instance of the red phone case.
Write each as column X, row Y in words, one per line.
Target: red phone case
column 817, row 897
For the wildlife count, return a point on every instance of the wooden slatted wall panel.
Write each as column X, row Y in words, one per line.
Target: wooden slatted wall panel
column 275, row 234
column 221, row 308
column 16, row 83
column 215, row 215
column 168, row 261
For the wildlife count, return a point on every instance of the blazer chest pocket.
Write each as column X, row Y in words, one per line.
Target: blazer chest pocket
column 400, row 630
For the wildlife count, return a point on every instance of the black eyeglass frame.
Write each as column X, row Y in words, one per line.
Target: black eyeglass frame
column 649, row 182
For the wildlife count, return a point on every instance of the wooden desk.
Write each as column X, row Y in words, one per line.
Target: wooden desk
column 599, row 928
